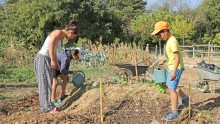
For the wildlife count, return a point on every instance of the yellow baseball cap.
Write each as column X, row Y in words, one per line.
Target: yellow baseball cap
column 161, row 25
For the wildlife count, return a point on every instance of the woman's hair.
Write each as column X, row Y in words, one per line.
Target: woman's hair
column 72, row 26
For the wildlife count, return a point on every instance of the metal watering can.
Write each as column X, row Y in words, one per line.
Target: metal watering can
column 78, row 79
column 159, row 75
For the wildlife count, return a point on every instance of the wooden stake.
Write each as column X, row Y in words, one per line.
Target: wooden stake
column 113, row 55
column 189, row 100
column 101, row 111
column 136, row 70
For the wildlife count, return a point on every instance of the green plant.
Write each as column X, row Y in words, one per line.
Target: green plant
column 2, row 97
column 146, row 81
column 17, row 74
column 120, row 79
column 161, row 87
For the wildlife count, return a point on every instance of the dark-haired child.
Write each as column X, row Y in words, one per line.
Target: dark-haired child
column 64, row 58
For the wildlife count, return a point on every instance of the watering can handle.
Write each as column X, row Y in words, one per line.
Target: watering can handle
column 154, row 63
column 81, row 73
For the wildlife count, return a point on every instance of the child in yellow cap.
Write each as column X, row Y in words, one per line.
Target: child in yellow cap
column 175, row 68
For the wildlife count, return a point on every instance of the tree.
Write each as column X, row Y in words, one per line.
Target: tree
column 126, row 10
column 208, row 21
column 27, row 22
column 143, row 25
column 182, row 28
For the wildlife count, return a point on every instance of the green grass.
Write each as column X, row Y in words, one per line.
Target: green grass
column 2, row 97
column 15, row 90
column 11, row 95
column 17, row 74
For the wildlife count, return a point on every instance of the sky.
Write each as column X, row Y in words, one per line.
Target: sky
column 191, row 3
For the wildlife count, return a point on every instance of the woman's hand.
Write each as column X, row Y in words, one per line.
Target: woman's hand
column 54, row 65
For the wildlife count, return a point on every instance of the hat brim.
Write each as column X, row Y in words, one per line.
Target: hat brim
column 155, row 32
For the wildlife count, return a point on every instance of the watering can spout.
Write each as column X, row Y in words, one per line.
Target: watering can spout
column 151, row 75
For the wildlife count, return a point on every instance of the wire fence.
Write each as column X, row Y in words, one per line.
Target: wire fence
column 207, row 52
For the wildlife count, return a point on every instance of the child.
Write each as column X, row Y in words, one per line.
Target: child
column 175, row 66
column 64, row 58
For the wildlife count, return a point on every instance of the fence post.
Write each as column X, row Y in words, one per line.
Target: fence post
column 147, row 55
column 209, row 52
column 136, row 71
column 193, row 52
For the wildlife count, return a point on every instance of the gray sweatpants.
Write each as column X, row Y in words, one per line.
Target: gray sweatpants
column 43, row 72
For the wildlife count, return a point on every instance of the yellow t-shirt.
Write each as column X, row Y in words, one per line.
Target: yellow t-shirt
column 172, row 46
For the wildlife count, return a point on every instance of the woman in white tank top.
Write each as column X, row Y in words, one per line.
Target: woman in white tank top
column 46, row 60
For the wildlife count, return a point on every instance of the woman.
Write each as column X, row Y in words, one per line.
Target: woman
column 46, row 60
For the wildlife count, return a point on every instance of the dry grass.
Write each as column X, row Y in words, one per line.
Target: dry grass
column 122, row 53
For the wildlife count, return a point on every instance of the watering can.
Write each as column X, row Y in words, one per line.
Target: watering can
column 159, row 75
column 78, row 79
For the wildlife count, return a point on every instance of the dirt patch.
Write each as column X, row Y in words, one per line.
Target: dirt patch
column 122, row 104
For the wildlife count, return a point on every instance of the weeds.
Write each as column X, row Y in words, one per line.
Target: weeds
column 2, row 97
column 204, row 115
column 17, row 74
column 161, row 87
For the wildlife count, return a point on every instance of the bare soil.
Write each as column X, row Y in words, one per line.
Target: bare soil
column 134, row 103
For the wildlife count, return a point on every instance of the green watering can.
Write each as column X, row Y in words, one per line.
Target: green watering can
column 79, row 79
column 159, row 75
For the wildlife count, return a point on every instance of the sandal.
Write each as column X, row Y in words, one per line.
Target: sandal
column 54, row 111
column 58, row 109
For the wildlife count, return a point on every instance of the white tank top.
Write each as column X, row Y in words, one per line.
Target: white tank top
column 45, row 50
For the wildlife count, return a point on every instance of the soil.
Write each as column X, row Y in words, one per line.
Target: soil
column 132, row 103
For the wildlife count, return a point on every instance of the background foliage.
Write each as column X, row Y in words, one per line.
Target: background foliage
column 26, row 23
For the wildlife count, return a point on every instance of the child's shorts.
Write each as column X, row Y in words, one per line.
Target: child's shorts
column 174, row 84
column 55, row 73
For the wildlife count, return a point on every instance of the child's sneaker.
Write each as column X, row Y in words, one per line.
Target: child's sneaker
column 63, row 97
column 57, row 104
column 170, row 116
